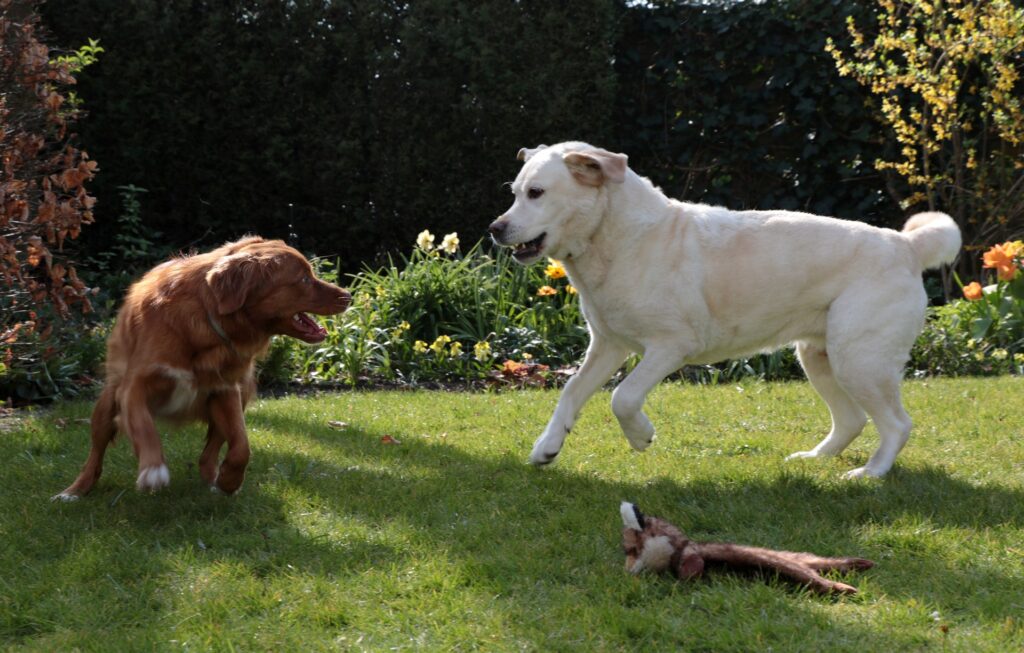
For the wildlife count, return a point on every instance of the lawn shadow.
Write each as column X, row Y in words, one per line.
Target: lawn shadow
column 467, row 514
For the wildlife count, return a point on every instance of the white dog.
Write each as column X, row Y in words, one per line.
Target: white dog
column 688, row 283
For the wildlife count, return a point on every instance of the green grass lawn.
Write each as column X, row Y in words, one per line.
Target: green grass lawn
column 450, row 541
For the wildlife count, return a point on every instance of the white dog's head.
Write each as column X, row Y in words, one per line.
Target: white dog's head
column 558, row 200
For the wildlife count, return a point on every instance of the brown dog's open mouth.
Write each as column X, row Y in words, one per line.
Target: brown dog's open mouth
column 307, row 329
column 529, row 249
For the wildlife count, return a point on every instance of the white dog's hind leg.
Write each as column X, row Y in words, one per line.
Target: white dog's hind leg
column 848, row 419
column 602, row 359
column 868, row 343
column 628, row 398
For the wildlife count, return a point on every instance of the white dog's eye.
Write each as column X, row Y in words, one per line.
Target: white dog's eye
column 534, row 193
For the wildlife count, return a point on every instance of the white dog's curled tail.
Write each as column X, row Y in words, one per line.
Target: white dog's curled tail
column 934, row 237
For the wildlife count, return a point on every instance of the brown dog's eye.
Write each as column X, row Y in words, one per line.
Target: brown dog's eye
column 534, row 193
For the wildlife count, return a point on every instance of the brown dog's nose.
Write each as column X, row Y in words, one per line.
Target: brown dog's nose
column 497, row 228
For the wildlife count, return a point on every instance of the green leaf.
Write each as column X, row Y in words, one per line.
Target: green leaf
column 980, row 326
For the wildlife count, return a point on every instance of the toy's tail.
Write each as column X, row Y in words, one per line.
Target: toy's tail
column 631, row 516
column 934, row 237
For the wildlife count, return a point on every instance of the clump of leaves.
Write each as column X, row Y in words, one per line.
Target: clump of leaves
column 43, row 198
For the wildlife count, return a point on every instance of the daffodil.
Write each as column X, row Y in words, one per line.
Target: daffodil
column 482, row 351
column 450, row 244
column 425, row 240
column 438, row 345
column 420, row 347
column 455, row 350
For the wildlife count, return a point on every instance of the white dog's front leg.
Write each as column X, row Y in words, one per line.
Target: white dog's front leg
column 628, row 398
column 602, row 359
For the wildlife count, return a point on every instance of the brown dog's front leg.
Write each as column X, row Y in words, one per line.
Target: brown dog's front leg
column 227, row 420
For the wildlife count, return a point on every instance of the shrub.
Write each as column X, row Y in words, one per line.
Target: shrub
column 43, row 205
column 439, row 315
column 946, row 78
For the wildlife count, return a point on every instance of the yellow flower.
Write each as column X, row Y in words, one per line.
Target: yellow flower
column 556, row 270
column 455, row 350
column 1018, row 358
column 482, row 351
column 439, row 344
column 450, row 244
column 419, row 347
column 571, row 289
column 1000, row 354
column 545, row 291
column 425, row 241
column 527, row 356
column 399, row 330
column 973, row 291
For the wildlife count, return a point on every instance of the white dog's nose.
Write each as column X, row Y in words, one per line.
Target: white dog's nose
column 497, row 228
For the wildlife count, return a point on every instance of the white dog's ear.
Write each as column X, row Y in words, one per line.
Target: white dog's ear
column 525, row 152
column 594, row 167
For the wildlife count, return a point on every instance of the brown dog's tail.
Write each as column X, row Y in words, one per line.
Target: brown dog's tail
column 934, row 237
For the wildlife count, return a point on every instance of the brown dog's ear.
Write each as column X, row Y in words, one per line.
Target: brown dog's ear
column 594, row 167
column 232, row 278
column 525, row 152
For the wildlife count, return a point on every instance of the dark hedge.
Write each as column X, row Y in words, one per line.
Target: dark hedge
column 350, row 126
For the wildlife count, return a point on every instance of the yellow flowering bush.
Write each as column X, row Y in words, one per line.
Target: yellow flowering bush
column 946, row 75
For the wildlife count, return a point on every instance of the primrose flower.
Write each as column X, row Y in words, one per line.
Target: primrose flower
column 554, row 271
column 425, row 240
column 439, row 344
column 545, row 291
column 455, row 350
column 1000, row 354
column 973, row 291
column 571, row 289
column 1000, row 258
column 419, row 347
column 482, row 351
column 450, row 244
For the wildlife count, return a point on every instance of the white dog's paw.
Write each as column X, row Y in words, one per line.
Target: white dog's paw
column 641, row 434
column 799, row 455
column 863, row 472
column 542, row 453
column 153, row 478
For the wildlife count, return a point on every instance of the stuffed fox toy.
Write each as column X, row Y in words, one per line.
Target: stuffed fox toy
column 656, row 545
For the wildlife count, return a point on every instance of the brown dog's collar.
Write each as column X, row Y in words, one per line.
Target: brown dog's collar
column 219, row 330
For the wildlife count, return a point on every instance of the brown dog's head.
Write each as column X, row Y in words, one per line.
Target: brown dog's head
column 274, row 286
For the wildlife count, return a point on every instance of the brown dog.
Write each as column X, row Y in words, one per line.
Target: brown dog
column 184, row 348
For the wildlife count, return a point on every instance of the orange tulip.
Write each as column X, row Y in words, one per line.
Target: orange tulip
column 1001, row 259
column 973, row 291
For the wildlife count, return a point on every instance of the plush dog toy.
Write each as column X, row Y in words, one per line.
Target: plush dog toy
column 654, row 544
